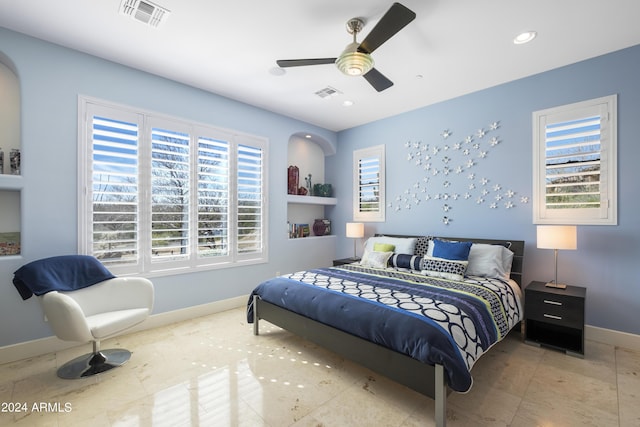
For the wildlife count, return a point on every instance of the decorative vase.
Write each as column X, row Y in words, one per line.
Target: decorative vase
column 293, row 178
column 322, row 190
column 319, row 227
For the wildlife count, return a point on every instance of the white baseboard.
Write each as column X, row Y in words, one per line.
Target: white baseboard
column 611, row 337
column 27, row 349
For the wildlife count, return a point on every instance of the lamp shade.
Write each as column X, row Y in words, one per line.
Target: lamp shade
column 355, row 230
column 557, row 237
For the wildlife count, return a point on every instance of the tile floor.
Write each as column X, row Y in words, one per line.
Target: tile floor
column 213, row 371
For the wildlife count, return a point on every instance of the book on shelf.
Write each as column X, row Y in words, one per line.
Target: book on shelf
column 298, row 230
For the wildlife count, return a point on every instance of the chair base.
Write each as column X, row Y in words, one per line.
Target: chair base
column 93, row 363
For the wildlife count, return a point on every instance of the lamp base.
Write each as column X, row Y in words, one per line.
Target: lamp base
column 553, row 284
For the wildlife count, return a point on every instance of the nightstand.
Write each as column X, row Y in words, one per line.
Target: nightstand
column 555, row 317
column 343, row 261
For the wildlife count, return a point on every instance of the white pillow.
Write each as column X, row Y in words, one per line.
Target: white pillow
column 404, row 245
column 489, row 261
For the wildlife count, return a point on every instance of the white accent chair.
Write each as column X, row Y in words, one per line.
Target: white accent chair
column 95, row 313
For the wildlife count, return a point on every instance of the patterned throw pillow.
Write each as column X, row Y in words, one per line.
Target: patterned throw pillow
column 376, row 259
column 422, row 245
column 444, row 268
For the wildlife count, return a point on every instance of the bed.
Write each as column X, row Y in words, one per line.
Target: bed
column 417, row 309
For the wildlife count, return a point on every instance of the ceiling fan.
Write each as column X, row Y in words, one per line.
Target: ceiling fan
column 356, row 59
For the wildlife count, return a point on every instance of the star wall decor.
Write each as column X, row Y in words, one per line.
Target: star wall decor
column 443, row 159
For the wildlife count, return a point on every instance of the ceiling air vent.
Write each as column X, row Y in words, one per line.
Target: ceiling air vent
column 144, row 11
column 328, row 92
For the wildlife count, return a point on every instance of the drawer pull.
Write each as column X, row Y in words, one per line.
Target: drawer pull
column 551, row 316
column 548, row 301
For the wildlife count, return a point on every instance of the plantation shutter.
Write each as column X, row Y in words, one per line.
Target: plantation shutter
column 159, row 194
column 369, row 175
column 249, row 193
column 213, row 197
column 114, row 190
column 575, row 163
column 170, row 181
column 369, row 184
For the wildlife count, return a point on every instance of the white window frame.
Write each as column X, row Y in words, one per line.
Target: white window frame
column 377, row 154
column 606, row 212
column 146, row 264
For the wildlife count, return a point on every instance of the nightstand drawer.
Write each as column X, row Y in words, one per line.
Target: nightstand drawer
column 556, row 309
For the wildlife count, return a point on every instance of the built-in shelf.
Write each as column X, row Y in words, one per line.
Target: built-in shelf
column 312, row 237
column 307, row 154
column 11, row 182
column 311, row 200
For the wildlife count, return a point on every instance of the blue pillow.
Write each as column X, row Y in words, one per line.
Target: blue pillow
column 458, row 251
column 412, row 262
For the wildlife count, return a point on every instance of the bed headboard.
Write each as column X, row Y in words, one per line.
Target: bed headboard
column 515, row 246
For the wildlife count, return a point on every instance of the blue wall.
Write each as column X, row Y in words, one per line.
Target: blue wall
column 607, row 256
column 51, row 77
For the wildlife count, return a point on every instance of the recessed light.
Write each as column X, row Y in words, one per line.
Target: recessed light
column 347, row 103
column 307, row 136
column 525, row 37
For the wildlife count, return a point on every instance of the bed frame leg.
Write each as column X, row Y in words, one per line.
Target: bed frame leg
column 256, row 328
column 441, row 397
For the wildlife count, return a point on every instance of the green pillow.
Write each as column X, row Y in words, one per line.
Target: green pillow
column 384, row 247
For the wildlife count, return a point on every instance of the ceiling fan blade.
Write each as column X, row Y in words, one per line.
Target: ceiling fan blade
column 378, row 80
column 284, row 63
column 396, row 18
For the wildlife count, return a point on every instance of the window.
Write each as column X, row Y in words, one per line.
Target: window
column 160, row 194
column 574, row 163
column 368, row 184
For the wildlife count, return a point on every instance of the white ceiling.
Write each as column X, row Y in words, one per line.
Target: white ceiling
column 230, row 47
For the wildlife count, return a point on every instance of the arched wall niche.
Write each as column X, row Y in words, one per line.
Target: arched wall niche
column 10, row 138
column 326, row 146
column 10, row 147
column 307, row 151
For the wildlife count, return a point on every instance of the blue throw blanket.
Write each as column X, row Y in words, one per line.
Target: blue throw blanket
column 60, row 273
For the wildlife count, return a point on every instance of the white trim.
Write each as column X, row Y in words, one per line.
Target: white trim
column 146, row 121
column 606, row 108
column 378, row 152
column 38, row 347
column 612, row 337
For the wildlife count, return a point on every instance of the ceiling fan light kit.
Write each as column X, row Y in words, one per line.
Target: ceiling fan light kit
column 354, row 63
column 356, row 59
column 351, row 61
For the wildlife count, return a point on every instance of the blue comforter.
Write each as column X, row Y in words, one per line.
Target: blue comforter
column 435, row 321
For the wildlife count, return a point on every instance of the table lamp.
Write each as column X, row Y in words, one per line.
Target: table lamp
column 355, row 230
column 556, row 237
